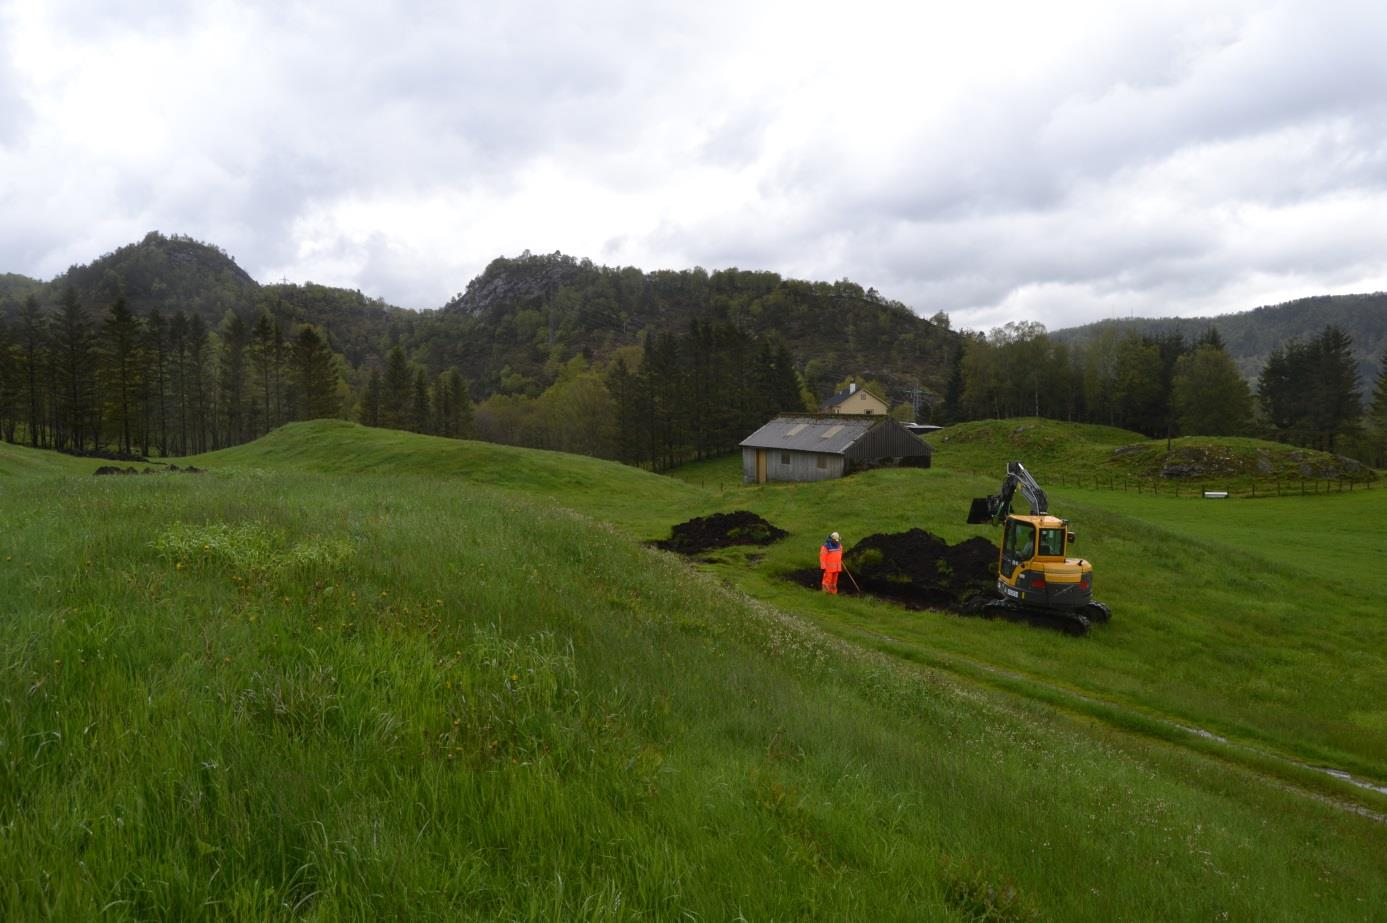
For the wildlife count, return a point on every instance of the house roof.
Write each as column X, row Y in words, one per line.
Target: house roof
column 842, row 397
column 836, row 434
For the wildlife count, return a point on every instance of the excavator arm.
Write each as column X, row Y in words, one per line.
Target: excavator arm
column 997, row 507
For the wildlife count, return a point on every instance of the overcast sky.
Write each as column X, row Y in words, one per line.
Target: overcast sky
column 1057, row 162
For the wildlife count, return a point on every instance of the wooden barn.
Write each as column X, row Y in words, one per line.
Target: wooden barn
column 816, row 447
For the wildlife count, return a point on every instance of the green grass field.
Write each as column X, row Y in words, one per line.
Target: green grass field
column 358, row 674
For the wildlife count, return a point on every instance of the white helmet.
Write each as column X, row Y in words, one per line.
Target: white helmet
column 833, row 535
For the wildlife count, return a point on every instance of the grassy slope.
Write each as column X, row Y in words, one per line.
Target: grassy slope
column 18, row 461
column 628, row 497
column 261, row 692
column 1250, row 624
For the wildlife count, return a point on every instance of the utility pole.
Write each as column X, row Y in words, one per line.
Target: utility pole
column 915, row 395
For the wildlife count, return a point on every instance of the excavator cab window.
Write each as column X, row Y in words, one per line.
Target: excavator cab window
column 1052, row 542
column 1018, row 545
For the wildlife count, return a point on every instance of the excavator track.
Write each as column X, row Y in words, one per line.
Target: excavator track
column 1071, row 623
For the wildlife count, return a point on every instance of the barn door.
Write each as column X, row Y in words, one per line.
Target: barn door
column 760, row 466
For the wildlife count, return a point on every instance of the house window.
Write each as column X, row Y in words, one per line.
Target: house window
column 784, row 458
column 823, row 461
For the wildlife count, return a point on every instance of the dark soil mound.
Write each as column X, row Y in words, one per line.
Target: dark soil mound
column 719, row 531
column 918, row 569
column 116, row 469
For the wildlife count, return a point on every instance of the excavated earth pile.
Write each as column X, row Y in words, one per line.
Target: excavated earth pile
column 720, row 531
column 918, row 570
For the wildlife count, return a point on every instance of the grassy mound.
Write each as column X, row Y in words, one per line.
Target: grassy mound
column 1077, row 454
column 1232, row 461
column 1037, row 442
column 20, row 461
column 617, row 493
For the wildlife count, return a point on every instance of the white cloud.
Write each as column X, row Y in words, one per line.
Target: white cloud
column 998, row 161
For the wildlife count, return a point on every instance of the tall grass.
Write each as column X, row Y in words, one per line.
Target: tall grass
column 271, row 695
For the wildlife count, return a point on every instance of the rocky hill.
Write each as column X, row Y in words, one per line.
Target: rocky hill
column 521, row 316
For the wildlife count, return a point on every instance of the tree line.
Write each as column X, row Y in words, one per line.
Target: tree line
column 175, row 386
column 698, row 394
column 1308, row 392
column 128, row 385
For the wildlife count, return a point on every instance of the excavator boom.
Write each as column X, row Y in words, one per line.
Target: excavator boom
column 997, row 507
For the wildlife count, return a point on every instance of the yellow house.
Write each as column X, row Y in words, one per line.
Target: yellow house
column 854, row 400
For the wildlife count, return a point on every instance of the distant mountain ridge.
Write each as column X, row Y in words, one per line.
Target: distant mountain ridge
column 522, row 318
column 514, row 324
column 1250, row 336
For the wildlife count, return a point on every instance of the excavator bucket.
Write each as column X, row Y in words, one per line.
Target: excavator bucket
column 980, row 511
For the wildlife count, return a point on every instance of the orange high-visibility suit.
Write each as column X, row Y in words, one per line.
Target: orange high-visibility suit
column 831, row 562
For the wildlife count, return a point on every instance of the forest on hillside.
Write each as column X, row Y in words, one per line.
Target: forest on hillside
column 167, row 347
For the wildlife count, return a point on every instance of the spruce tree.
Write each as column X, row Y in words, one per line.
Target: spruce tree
column 72, row 355
column 231, row 379
column 419, row 404
column 370, row 400
column 316, row 376
column 1338, row 402
column 120, row 369
column 9, row 383
column 1209, row 396
column 155, row 404
column 464, row 422
column 198, row 383
column 263, row 360
column 30, row 337
column 396, row 393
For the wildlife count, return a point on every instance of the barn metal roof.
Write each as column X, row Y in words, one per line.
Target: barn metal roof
column 832, row 433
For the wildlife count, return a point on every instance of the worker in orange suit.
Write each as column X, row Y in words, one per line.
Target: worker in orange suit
column 831, row 562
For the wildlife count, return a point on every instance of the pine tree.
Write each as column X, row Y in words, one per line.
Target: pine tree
column 32, row 332
column 370, row 400
column 231, row 379
column 1211, row 337
column 1379, row 404
column 1338, row 403
column 464, row 422
column 1309, row 391
column 419, row 404
column 9, row 383
column 1377, row 415
column 199, row 389
column 72, row 352
column 178, row 379
column 263, row 361
column 632, row 437
column 156, row 355
column 316, row 374
column 1209, row 396
column 396, row 391
column 120, row 368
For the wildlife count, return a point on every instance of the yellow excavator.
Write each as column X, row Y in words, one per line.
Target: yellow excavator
column 1037, row 581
